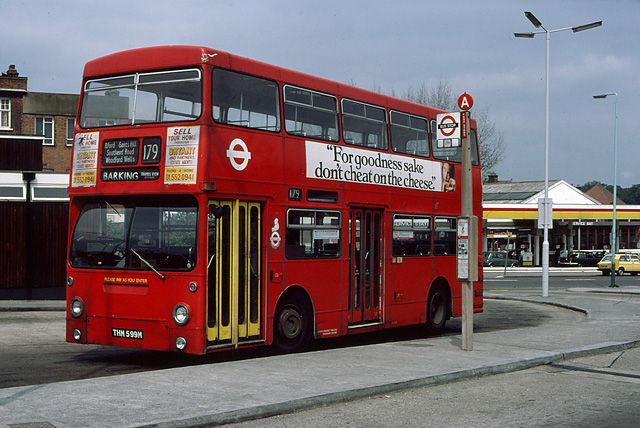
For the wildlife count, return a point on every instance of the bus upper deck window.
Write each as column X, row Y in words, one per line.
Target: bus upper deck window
column 243, row 100
column 310, row 114
column 409, row 134
column 158, row 97
column 364, row 124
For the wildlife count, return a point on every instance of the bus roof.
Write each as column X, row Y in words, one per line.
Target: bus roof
column 178, row 56
column 146, row 59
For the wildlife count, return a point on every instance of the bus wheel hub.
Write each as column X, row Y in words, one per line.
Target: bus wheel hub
column 290, row 323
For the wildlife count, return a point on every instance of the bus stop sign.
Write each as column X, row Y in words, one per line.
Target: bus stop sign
column 465, row 102
column 448, row 130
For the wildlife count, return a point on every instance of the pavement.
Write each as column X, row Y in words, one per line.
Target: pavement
column 233, row 391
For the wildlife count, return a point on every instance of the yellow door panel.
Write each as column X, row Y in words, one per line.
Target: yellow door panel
column 234, row 293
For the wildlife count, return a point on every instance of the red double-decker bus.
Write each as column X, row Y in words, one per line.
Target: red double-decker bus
column 218, row 202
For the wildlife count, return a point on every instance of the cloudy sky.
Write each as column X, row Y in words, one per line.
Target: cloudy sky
column 392, row 46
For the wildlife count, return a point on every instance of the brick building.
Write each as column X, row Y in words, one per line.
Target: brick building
column 36, row 139
column 27, row 116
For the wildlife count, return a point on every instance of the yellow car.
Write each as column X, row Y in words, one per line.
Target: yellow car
column 624, row 263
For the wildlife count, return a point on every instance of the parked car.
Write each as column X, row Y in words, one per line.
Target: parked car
column 498, row 258
column 585, row 258
column 624, row 263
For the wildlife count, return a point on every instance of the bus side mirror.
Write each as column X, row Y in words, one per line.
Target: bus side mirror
column 216, row 210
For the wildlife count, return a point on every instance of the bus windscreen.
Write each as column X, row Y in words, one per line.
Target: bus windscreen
column 169, row 96
column 141, row 233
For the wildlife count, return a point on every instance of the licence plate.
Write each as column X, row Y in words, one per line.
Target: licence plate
column 125, row 333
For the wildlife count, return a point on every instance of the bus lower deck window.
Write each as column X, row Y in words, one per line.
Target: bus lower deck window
column 312, row 234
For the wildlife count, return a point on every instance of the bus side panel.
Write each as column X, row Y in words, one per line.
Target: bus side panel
column 445, row 267
column 322, row 279
column 274, row 272
column 407, row 292
column 246, row 163
column 478, row 287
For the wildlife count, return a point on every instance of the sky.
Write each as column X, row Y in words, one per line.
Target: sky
column 391, row 46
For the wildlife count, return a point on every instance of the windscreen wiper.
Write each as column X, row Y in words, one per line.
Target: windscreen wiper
column 147, row 263
column 112, row 207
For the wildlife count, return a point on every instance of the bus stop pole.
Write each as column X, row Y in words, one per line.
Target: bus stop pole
column 467, row 211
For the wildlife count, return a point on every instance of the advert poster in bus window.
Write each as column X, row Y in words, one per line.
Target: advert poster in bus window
column 85, row 159
column 181, row 163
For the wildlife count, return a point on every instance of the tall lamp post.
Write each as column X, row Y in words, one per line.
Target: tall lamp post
column 614, row 231
column 546, row 202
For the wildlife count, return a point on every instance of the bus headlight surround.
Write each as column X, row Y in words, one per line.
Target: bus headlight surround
column 76, row 307
column 70, row 281
column 181, row 314
column 193, row 287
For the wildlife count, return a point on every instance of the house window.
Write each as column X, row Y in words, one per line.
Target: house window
column 71, row 123
column 44, row 127
column 5, row 113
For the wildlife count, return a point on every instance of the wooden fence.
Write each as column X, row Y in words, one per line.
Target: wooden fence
column 33, row 249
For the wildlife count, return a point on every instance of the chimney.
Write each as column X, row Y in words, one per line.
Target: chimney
column 492, row 177
column 12, row 72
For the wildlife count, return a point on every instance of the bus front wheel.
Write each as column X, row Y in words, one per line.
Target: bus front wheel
column 437, row 308
column 292, row 324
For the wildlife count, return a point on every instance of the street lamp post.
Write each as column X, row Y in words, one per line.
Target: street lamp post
column 545, row 244
column 614, row 231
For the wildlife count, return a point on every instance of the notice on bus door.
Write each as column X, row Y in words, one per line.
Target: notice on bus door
column 85, row 159
column 181, row 160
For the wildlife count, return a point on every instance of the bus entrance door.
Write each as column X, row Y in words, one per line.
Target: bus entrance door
column 365, row 261
column 234, row 272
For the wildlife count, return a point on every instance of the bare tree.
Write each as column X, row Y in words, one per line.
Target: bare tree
column 490, row 139
column 441, row 96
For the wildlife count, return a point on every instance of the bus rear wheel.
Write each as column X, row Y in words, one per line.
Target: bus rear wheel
column 437, row 308
column 292, row 324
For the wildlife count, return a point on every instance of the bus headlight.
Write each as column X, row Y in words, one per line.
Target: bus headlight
column 193, row 287
column 70, row 281
column 181, row 343
column 77, row 334
column 181, row 314
column 76, row 307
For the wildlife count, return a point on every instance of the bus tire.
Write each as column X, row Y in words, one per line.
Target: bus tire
column 437, row 308
column 292, row 324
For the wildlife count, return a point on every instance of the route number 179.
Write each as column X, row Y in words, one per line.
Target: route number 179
column 151, row 150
